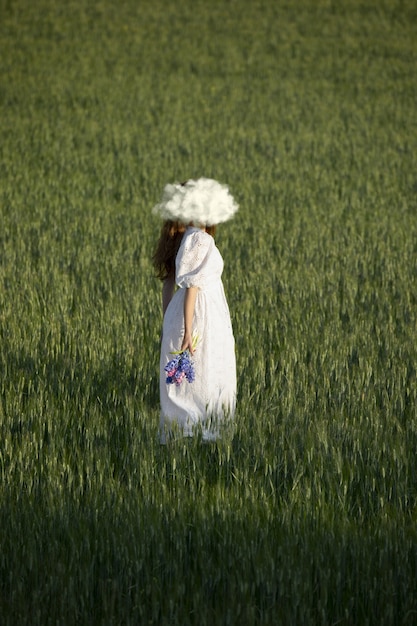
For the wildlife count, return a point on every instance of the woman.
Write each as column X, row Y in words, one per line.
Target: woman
column 196, row 316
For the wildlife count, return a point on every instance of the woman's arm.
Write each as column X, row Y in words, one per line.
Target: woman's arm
column 189, row 306
column 167, row 291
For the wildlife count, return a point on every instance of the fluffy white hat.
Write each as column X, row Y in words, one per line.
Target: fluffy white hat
column 202, row 201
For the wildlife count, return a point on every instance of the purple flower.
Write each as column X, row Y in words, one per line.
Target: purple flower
column 179, row 368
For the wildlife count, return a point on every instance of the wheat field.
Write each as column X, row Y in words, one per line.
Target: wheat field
column 307, row 514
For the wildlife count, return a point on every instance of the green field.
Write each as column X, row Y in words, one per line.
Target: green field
column 307, row 109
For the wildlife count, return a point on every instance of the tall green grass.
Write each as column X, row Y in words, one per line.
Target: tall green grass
column 307, row 111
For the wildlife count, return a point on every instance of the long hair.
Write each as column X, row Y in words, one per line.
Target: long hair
column 168, row 245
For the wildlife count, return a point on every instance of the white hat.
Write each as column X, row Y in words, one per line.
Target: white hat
column 203, row 201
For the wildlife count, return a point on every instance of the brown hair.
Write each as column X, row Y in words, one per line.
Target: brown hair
column 168, row 245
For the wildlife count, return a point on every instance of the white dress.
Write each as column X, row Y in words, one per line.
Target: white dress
column 202, row 405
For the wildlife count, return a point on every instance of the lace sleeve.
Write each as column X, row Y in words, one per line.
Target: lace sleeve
column 192, row 259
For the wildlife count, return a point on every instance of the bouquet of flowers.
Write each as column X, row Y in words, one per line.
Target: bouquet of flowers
column 180, row 367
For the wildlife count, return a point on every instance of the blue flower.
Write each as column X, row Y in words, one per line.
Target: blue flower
column 179, row 368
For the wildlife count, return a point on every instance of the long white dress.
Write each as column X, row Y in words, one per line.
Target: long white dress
column 204, row 404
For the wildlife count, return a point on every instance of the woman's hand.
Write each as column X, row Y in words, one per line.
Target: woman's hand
column 187, row 343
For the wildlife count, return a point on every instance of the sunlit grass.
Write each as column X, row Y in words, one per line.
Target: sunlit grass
column 308, row 514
